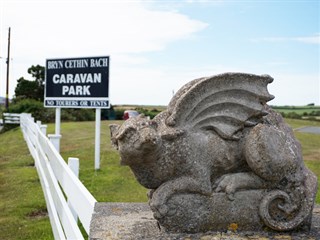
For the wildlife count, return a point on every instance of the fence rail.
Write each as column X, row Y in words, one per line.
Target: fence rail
column 57, row 181
column 11, row 118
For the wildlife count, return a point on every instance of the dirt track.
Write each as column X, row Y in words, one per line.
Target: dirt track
column 309, row 129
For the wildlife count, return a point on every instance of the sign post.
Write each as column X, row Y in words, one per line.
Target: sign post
column 97, row 140
column 78, row 83
column 58, row 121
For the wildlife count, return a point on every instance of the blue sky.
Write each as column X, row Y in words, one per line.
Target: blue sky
column 157, row 46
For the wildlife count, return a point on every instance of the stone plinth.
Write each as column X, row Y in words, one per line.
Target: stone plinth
column 126, row 221
column 122, row 221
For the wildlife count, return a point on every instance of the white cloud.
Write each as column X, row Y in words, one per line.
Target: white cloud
column 293, row 89
column 315, row 39
column 298, row 89
column 155, row 87
column 109, row 26
column 56, row 29
column 312, row 39
column 205, row 1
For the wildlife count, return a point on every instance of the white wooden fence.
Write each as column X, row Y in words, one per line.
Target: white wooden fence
column 57, row 181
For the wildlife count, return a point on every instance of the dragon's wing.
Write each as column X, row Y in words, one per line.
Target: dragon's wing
column 224, row 103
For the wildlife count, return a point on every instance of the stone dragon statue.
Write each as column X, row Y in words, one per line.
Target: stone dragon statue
column 217, row 136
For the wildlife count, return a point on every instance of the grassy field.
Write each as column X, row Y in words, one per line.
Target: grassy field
column 297, row 109
column 132, row 107
column 22, row 206
column 112, row 182
column 310, row 147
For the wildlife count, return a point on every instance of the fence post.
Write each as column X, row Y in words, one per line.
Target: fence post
column 55, row 140
column 73, row 164
column 43, row 129
column 22, row 116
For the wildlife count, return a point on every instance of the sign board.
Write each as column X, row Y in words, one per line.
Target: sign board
column 77, row 83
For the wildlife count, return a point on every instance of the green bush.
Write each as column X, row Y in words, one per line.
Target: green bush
column 150, row 113
column 119, row 113
column 36, row 108
column 314, row 113
column 2, row 110
column 293, row 115
column 47, row 115
column 108, row 114
column 71, row 114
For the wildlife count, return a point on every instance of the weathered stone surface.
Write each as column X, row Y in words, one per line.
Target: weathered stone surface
column 216, row 143
column 200, row 213
column 122, row 221
column 131, row 221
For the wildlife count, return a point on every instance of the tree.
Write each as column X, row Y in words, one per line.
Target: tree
column 33, row 89
column 38, row 73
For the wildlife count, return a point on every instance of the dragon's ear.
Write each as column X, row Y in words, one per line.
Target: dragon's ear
column 224, row 103
column 114, row 128
column 171, row 133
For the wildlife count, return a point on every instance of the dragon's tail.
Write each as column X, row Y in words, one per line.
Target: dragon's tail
column 280, row 212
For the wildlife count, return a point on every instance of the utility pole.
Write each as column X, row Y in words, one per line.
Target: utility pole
column 8, row 65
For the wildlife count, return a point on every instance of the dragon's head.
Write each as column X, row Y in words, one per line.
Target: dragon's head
column 137, row 139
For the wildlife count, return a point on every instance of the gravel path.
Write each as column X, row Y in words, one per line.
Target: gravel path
column 309, row 129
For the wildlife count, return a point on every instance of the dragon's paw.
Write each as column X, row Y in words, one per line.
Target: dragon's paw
column 159, row 204
column 161, row 210
column 229, row 184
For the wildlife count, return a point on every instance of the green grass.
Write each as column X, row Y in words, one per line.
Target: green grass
column 298, row 123
column 112, row 182
column 314, row 167
column 310, row 142
column 310, row 147
column 21, row 198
